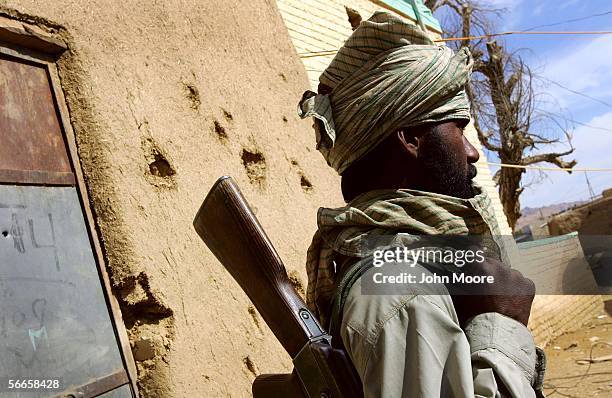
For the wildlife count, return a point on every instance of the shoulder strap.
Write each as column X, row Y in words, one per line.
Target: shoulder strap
column 351, row 275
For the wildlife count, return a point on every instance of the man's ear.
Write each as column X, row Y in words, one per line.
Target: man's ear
column 410, row 143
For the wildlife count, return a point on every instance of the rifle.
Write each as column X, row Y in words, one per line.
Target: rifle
column 227, row 225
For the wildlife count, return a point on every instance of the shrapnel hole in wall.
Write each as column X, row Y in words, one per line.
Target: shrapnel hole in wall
column 159, row 172
column 193, row 95
column 228, row 116
column 250, row 365
column 296, row 282
column 138, row 302
column 305, row 183
column 220, row 131
column 253, row 313
column 255, row 164
column 160, row 167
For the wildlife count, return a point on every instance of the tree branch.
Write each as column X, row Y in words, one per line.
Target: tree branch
column 482, row 136
column 553, row 158
column 497, row 176
column 432, row 4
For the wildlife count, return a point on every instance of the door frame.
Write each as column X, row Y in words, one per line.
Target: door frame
column 34, row 48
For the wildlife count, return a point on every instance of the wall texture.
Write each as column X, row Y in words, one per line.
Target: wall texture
column 164, row 98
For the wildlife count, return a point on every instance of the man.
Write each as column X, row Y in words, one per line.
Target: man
column 389, row 118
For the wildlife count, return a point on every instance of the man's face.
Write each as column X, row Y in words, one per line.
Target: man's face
column 445, row 161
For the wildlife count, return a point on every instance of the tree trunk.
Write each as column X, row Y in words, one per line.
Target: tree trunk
column 509, row 192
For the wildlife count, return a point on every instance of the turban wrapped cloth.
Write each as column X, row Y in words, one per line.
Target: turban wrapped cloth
column 388, row 75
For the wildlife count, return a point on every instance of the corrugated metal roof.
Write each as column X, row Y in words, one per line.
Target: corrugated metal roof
column 546, row 241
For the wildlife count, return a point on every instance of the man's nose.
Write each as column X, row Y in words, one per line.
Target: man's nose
column 471, row 152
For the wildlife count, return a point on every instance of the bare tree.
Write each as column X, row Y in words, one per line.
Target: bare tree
column 505, row 103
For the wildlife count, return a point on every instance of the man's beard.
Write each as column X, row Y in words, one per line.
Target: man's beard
column 442, row 172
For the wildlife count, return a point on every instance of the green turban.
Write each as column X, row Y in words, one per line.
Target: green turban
column 388, row 75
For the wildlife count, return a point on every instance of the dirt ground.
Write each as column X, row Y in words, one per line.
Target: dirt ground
column 569, row 374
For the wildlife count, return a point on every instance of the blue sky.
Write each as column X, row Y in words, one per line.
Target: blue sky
column 580, row 63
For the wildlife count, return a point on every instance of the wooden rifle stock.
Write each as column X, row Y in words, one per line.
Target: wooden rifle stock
column 227, row 225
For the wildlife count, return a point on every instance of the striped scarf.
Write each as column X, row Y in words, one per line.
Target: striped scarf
column 386, row 213
column 388, row 75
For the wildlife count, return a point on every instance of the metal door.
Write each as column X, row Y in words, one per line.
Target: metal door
column 58, row 323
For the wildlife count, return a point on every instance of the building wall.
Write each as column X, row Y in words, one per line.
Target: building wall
column 558, row 265
column 322, row 25
column 594, row 218
column 164, row 98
